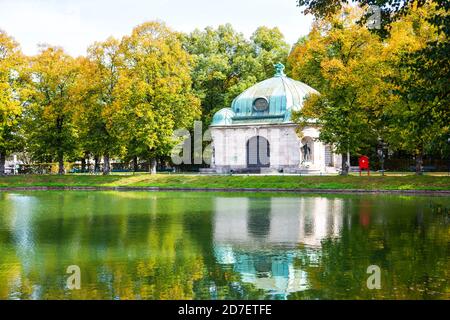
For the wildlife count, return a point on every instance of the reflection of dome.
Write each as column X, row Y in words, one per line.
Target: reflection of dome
column 290, row 230
column 224, row 254
column 275, row 274
column 223, row 117
column 271, row 100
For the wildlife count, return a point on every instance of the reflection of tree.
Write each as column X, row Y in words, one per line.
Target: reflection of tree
column 128, row 246
column 160, row 246
column 124, row 249
column 218, row 282
column 412, row 254
column 258, row 224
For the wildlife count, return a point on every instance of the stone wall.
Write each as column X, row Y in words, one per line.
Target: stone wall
column 230, row 147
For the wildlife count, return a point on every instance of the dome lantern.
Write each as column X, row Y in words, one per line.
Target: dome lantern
column 279, row 68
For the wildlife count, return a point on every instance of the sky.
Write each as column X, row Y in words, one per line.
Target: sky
column 75, row 24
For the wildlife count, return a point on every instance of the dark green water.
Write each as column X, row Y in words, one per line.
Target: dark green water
column 143, row 245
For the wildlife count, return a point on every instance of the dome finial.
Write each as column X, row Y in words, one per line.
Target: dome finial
column 279, row 68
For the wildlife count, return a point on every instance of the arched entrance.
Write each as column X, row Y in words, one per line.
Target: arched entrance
column 258, row 152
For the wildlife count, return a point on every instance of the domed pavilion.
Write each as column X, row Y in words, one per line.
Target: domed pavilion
column 257, row 133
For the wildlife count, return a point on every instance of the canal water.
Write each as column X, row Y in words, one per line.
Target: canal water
column 188, row 245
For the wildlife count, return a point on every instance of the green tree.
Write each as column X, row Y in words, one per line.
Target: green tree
column 51, row 106
column 100, row 92
column 270, row 48
column 226, row 63
column 11, row 63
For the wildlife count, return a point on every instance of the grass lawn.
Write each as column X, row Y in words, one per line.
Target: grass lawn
column 391, row 182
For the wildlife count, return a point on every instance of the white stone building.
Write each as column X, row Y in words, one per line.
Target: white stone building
column 257, row 133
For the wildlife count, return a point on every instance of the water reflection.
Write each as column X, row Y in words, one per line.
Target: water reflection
column 138, row 245
column 261, row 238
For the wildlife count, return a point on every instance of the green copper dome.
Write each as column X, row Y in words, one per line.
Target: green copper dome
column 270, row 101
column 223, row 117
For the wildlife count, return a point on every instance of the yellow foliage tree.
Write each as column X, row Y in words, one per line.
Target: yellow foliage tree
column 11, row 62
column 51, row 106
column 160, row 97
column 342, row 60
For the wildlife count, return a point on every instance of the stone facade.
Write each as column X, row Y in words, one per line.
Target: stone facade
column 231, row 149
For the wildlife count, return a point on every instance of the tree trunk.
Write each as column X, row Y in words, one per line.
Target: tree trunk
column 96, row 164
column 135, row 164
column 61, row 169
column 152, row 166
column 345, row 166
column 106, row 165
column 85, row 164
column 419, row 162
column 2, row 163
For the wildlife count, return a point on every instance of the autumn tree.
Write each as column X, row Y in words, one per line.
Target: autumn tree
column 158, row 93
column 417, row 125
column 51, row 106
column 11, row 62
column 342, row 61
column 425, row 71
